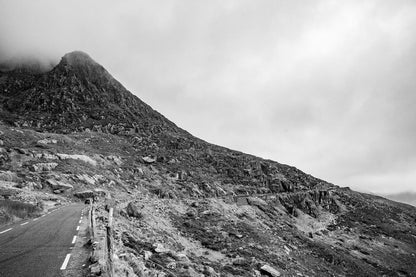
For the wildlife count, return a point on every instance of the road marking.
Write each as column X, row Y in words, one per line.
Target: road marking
column 78, row 228
column 42, row 215
column 81, row 217
column 74, row 239
column 24, row 223
column 2, row 232
column 80, row 221
column 35, row 219
column 64, row 265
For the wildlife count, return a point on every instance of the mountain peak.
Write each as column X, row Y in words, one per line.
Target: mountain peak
column 76, row 94
column 77, row 58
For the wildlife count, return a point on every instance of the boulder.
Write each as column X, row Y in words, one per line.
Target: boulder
column 100, row 192
column 159, row 248
column 86, row 178
column 58, row 185
column 39, row 167
column 84, row 194
column 269, row 271
column 133, row 211
column 149, row 159
column 83, row 158
column 254, row 201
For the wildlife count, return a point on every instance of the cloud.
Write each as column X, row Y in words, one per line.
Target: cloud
column 326, row 86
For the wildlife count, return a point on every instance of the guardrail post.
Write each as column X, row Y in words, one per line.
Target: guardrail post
column 110, row 242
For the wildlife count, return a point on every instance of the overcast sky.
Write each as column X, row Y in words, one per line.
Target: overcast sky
column 326, row 86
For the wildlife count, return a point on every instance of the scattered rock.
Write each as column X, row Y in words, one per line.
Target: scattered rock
column 83, row 158
column 269, row 271
column 86, row 178
column 254, row 201
column 58, row 185
column 149, row 159
column 147, row 255
column 133, row 211
column 1, row 143
column 115, row 159
column 84, row 194
column 159, row 248
column 47, row 141
column 209, row 271
column 39, row 167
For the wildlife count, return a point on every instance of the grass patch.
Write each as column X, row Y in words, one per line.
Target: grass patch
column 12, row 210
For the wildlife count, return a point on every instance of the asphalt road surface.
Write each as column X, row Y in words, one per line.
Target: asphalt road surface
column 41, row 246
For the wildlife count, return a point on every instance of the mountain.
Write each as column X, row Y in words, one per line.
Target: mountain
column 185, row 207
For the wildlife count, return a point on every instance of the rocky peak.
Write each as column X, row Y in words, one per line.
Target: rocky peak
column 77, row 58
column 76, row 94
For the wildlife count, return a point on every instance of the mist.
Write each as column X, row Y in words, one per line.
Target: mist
column 325, row 86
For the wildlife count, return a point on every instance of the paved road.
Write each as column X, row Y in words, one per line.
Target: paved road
column 40, row 247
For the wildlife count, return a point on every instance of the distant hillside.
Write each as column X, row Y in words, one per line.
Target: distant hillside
column 404, row 197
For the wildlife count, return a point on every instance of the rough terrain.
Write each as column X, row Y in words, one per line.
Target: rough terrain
column 185, row 207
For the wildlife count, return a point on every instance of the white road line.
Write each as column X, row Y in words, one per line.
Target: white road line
column 64, row 265
column 24, row 223
column 74, row 239
column 2, row 232
column 80, row 221
column 78, row 228
column 35, row 219
column 81, row 218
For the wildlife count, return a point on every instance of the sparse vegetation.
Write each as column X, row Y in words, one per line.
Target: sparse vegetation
column 11, row 210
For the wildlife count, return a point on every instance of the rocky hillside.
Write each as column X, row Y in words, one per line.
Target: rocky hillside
column 185, row 207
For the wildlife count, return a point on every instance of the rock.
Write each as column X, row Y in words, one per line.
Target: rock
column 269, row 271
column 33, row 185
column 254, row 201
column 86, row 178
column 83, row 158
column 1, row 143
column 133, row 211
column 180, row 257
column 22, row 151
column 209, row 271
column 39, row 167
column 58, row 185
column 84, row 194
column 115, row 159
column 8, row 176
column 149, row 159
column 147, row 255
column 100, row 192
column 47, row 141
column 95, row 269
column 57, row 191
column 159, row 248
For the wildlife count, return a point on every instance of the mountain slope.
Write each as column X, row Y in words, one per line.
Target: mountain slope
column 76, row 94
column 187, row 207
